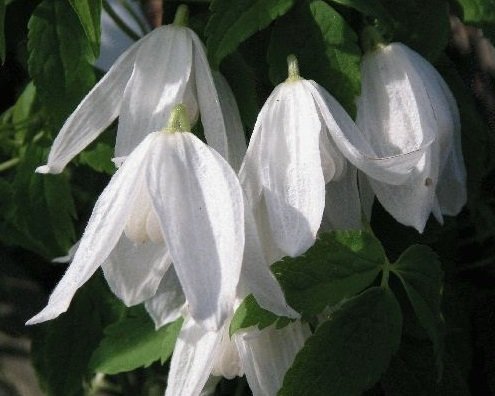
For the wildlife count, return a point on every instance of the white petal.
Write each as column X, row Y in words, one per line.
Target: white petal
column 394, row 169
column 212, row 118
column 104, row 229
column 410, row 203
column 192, row 361
column 266, row 355
column 168, row 303
column 366, row 194
column 233, row 124
column 343, row 207
column 96, row 111
column 291, row 173
column 198, row 200
column 158, row 82
column 134, row 270
column 333, row 162
column 69, row 256
column 256, row 275
column 227, row 363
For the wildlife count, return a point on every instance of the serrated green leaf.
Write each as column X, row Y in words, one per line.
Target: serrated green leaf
column 339, row 265
column 2, row 30
column 480, row 13
column 62, row 347
column 133, row 342
column 348, row 353
column 371, row 8
column 233, row 21
column 89, row 14
column 325, row 45
column 59, row 58
column 99, row 158
column 419, row 270
column 421, row 24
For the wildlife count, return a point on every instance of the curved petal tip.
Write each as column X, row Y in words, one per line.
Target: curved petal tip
column 48, row 169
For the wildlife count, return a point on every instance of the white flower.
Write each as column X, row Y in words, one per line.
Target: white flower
column 165, row 67
column 299, row 148
column 174, row 199
column 264, row 356
column 406, row 106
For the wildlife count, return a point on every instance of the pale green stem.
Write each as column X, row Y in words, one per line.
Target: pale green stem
column 9, row 164
column 293, row 68
column 179, row 120
column 386, row 275
column 371, row 39
column 181, row 15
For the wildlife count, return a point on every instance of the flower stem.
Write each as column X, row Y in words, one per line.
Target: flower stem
column 181, row 15
column 293, row 66
column 179, row 120
column 371, row 39
column 385, row 275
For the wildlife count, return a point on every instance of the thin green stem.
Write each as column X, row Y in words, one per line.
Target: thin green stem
column 385, row 275
column 179, row 120
column 371, row 39
column 181, row 15
column 9, row 164
column 119, row 22
column 293, row 68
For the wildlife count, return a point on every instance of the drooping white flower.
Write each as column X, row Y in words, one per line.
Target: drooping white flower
column 405, row 104
column 174, row 200
column 167, row 66
column 304, row 147
column 264, row 356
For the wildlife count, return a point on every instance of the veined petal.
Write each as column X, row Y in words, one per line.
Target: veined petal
column 134, row 270
column 103, row 231
column 227, row 363
column 291, row 173
column 236, row 139
column 96, row 111
column 256, row 276
column 394, row 169
column 192, row 361
column 212, row 118
column 168, row 303
column 332, row 162
column 343, row 207
column 198, row 200
column 266, row 355
column 158, row 82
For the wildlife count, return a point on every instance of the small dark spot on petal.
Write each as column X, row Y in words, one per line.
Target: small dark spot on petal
column 428, row 181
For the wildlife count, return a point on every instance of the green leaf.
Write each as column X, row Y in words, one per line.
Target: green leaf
column 89, row 14
column 133, row 342
column 2, row 30
column 59, row 58
column 62, row 347
column 99, row 158
column 371, row 8
column 325, row 45
column 421, row 24
column 480, row 13
column 339, row 265
column 419, row 270
column 348, row 353
column 233, row 21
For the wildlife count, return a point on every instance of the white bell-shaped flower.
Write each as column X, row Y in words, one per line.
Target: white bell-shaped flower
column 173, row 200
column 165, row 67
column 406, row 106
column 305, row 147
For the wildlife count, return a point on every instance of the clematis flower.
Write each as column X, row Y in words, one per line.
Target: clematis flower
column 201, row 356
column 405, row 104
column 165, row 67
column 173, row 200
column 305, row 147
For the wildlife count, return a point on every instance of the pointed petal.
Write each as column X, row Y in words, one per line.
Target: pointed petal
column 291, row 173
column 102, row 233
column 210, row 109
column 410, row 203
column 343, row 207
column 168, row 303
column 227, row 363
column 69, row 256
column 256, row 275
column 192, row 361
column 96, row 111
column 393, row 169
column 266, row 355
column 198, row 201
column 134, row 270
column 236, row 139
column 158, row 82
